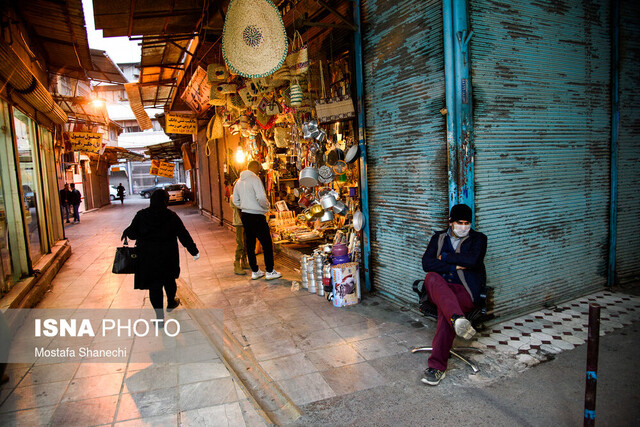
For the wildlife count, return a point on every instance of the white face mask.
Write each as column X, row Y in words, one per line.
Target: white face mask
column 461, row 230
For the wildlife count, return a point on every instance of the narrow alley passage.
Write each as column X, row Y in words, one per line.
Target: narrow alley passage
column 303, row 360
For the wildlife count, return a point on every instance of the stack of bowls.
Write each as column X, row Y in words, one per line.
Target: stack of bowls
column 303, row 272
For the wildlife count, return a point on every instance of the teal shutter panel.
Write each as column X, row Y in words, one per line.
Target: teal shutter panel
column 628, row 238
column 406, row 146
column 542, row 114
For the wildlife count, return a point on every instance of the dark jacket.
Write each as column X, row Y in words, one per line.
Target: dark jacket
column 65, row 197
column 155, row 230
column 75, row 197
column 469, row 254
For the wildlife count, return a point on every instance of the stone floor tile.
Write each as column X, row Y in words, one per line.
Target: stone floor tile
column 351, row 378
column 160, row 421
column 207, row 393
column 90, row 387
column 271, row 349
column 375, row 348
column 30, row 417
column 150, row 379
column 307, row 388
column 201, row 371
column 96, row 369
column 35, row 396
column 250, row 415
column 43, row 374
column 316, row 339
column 148, row 404
column 257, row 321
column 288, row 367
column 87, row 412
column 334, row 357
column 358, row 331
column 229, row 414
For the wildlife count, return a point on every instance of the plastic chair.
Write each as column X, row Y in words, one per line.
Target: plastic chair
column 477, row 316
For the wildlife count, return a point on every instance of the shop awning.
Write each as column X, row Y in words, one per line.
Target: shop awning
column 82, row 109
column 171, row 150
column 123, row 153
column 104, row 69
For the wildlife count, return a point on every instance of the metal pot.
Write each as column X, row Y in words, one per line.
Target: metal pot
column 317, row 210
column 308, row 215
column 352, row 154
column 334, row 156
column 308, row 177
column 304, row 201
column 340, row 208
column 328, row 201
column 326, row 216
column 358, row 220
column 325, row 174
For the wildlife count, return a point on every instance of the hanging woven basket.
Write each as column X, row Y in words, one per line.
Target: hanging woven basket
column 254, row 40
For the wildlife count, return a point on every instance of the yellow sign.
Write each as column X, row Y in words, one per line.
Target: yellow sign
column 86, row 141
column 161, row 168
column 182, row 123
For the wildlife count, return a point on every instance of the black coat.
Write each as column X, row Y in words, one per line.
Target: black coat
column 75, row 197
column 471, row 256
column 155, row 231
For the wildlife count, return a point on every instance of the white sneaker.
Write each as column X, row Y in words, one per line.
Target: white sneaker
column 463, row 328
column 273, row 275
column 257, row 274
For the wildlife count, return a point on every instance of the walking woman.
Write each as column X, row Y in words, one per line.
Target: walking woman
column 155, row 230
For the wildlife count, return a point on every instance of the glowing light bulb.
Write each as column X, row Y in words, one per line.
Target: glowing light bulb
column 240, row 155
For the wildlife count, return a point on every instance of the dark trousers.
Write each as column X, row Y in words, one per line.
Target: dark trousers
column 65, row 211
column 256, row 227
column 156, row 296
column 76, row 212
column 450, row 298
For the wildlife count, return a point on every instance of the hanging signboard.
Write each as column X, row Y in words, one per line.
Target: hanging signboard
column 86, row 141
column 161, row 168
column 181, row 123
column 196, row 94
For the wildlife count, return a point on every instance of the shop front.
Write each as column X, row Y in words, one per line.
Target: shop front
column 298, row 118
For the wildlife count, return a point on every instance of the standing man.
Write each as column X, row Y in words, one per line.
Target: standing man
column 240, row 263
column 249, row 196
column 75, row 198
column 65, row 194
column 454, row 263
column 120, row 193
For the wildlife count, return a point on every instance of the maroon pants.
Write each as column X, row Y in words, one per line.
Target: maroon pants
column 450, row 298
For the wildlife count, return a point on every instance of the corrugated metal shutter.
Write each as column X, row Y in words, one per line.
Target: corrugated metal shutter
column 628, row 239
column 406, row 141
column 541, row 81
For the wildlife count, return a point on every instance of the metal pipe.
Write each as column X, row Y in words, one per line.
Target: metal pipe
column 364, row 193
column 615, row 123
column 449, row 70
column 593, row 342
column 463, row 100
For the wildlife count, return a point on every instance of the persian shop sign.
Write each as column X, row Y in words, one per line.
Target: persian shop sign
column 160, row 168
column 181, row 123
column 86, row 141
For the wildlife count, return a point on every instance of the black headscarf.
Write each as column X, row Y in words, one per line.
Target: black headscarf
column 159, row 199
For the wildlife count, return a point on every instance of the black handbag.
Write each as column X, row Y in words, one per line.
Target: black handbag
column 126, row 259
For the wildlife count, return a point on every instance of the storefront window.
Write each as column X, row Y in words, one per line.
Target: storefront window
column 5, row 255
column 27, row 152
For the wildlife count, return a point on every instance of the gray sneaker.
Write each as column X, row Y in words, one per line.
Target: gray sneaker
column 273, row 275
column 463, row 328
column 432, row 376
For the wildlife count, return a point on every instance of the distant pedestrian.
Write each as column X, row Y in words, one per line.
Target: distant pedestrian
column 120, row 192
column 155, row 230
column 250, row 197
column 65, row 196
column 75, row 198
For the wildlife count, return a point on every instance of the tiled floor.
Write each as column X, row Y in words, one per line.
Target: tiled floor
column 549, row 332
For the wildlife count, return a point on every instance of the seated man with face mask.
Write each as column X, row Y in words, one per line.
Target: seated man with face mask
column 454, row 263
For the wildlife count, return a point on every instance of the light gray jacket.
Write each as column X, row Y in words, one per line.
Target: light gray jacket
column 249, row 194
